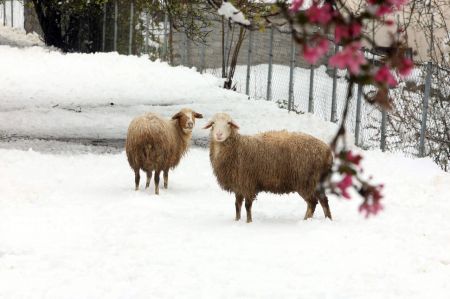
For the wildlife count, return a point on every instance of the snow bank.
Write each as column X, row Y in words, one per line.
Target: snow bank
column 17, row 37
column 73, row 227
column 50, row 94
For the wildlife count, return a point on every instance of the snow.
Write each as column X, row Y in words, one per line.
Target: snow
column 18, row 38
column 71, row 226
column 49, row 94
column 232, row 13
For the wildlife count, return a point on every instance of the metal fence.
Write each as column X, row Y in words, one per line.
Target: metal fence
column 271, row 68
column 11, row 13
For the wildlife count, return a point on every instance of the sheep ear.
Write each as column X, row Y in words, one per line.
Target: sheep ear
column 197, row 115
column 208, row 124
column 233, row 124
column 178, row 115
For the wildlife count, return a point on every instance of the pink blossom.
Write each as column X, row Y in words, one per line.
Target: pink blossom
column 312, row 54
column 370, row 209
column 320, row 15
column 344, row 184
column 389, row 22
column 383, row 10
column 405, row 68
column 384, row 75
column 354, row 159
column 372, row 204
column 344, row 31
column 295, row 5
column 351, row 58
column 386, row 7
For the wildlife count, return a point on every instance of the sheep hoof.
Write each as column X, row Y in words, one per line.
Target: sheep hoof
column 165, row 186
column 157, row 191
column 249, row 220
column 237, row 218
column 136, row 189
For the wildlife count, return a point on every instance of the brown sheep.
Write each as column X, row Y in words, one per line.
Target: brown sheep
column 157, row 144
column 279, row 162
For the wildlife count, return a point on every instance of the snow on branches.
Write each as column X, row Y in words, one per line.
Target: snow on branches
column 232, row 13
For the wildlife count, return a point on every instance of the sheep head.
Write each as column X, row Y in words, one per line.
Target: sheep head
column 186, row 119
column 222, row 126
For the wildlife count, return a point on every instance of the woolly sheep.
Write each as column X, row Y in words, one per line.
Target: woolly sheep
column 157, row 144
column 278, row 161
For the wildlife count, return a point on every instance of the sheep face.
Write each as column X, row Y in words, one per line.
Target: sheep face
column 186, row 119
column 222, row 126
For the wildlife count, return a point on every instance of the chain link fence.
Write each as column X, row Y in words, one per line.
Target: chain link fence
column 270, row 67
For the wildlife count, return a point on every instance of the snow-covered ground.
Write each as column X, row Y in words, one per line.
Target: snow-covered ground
column 72, row 226
column 17, row 37
column 48, row 94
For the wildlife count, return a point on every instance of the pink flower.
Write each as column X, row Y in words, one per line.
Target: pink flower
column 383, row 10
column 312, row 54
column 386, row 7
column 372, row 204
column 295, row 5
column 354, row 159
column 384, row 75
column 319, row 15
column 351, row 58
column 344, row 184
column 405, row 68
column 340, row 31
column 344, row 31
column 389, row 22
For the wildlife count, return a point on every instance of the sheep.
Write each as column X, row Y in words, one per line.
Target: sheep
column 277, row 161
column 157, row 144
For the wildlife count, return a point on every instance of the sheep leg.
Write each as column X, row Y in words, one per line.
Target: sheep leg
column 149, row 178
column 137, row 178
column 238, row 204
column 248, row 208
column 166, row 178
column 312, row 202
column 157, row 173
column 325, row 207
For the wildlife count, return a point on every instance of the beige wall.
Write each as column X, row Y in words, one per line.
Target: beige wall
column 418, row 38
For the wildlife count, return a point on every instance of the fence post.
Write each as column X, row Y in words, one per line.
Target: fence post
column 249, row 62
column 291, row 76
column 11, row 3
column 147, row 29
column 188, row 52
column 333, row 94
column 358, row 114
column 227, row 48
column 4, row 13
column 383, row 130
column 104, row 28
column 425, row 109
column 311, row 91
column 183, row 51
column 269, row 73
column 165, row 45
column 130, row 33
column 116, row 11
column 202, row 57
